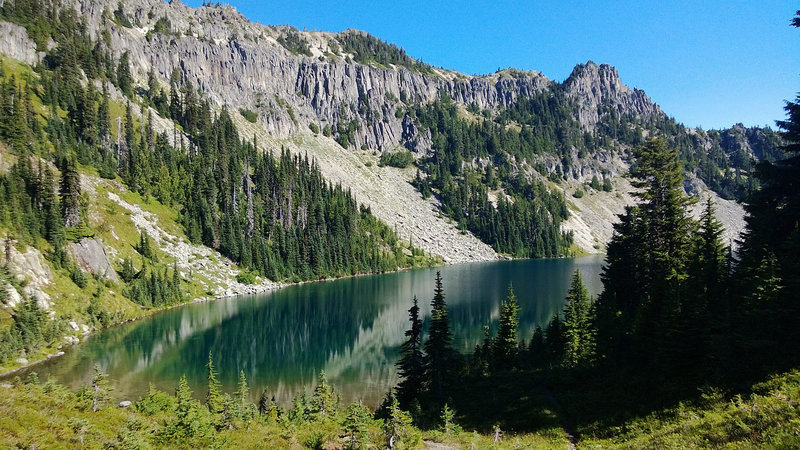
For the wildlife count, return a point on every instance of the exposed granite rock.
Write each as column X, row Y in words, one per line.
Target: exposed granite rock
column 30, row 269
column 90, row 255
column 16, row 44
column 599, row 87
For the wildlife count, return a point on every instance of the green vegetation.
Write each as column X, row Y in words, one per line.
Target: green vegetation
column 50, row 415
column 527, row 224
column 293, row 41
column 368, row 49
column 400, row 159
column 250, row 116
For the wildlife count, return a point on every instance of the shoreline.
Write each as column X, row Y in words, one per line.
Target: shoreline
column 254, row 289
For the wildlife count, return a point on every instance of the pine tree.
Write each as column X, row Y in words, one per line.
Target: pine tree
column 324, row 400
column 124, row 78
column 70, row 193
column 100, row 389
column 644, row 278
column 214, row 397
column 769, row 270
column 506, row 343
column 578, row 332
column 411, row 366
column 438, row 350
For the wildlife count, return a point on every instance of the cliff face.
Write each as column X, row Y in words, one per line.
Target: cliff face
column 241, row 64
column 244, row 66
column 598, row 88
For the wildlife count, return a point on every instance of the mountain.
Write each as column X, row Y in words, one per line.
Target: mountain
column 347, row 98
column 189, row 106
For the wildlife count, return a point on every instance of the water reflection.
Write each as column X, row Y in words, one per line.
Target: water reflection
column 350, row 328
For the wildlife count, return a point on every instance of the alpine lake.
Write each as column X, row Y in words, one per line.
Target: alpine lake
column 351, row 328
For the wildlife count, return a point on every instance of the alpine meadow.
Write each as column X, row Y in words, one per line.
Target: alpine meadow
column 222, row 234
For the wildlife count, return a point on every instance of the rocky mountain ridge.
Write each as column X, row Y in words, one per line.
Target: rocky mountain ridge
column 237, row 62
column 294, row 82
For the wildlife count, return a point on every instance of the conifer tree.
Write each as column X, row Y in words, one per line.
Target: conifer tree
column 769, row 270
column 644, row 278
column 70, row 193
column 100, row 389
column 214, row 397
column 506, row 343
column 578, row 332
column 324, row 400
column 411, row 366
column 438, row 350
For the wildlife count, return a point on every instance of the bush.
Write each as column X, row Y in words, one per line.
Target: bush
column 313, row 127
column 578, row 193
column 250, row 116
column 401, row 159
column 78, row 277
column 245, row 278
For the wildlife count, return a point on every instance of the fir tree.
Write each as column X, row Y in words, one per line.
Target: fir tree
column 438, row 350
column 214, row 396
column 506, row 343
column 578, row 332
column 411, row 366
column 70, row 193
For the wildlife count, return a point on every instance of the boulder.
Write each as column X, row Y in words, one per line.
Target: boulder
column 90, row 255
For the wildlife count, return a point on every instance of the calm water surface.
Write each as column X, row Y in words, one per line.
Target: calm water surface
column 351, row 328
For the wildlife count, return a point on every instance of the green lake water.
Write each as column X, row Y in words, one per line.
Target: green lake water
column 351, row 328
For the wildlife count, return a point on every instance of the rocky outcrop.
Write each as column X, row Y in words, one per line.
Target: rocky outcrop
column 90, row 255
column 16, row 44
column 240, row 64
column 31, row 271
column 598, row 89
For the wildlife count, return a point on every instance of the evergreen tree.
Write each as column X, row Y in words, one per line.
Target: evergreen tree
column 769, row 270
column 438, row 350
column 506, row 343
column 644, row 277
column 578, row 328
column 70, row 193
column 411, row 366
column 214, row 397
column 324, row 400
column 124, row 77
column 100, row 389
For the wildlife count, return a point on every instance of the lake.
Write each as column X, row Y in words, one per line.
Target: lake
column 352, row 328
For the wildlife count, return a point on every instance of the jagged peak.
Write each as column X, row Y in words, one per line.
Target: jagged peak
column 593, row 70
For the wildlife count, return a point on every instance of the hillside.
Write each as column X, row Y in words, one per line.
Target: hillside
column 198, row 124
column 338, row 97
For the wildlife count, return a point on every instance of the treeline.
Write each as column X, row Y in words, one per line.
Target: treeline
column 468, row 161
column 368, row 49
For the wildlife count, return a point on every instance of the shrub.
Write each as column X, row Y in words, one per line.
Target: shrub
column 245, row 278
column 401, row 159
column 250, row 116
column 578, row 193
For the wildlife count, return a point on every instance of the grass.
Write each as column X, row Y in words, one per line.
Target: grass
column 48, row 415
column 767, row 417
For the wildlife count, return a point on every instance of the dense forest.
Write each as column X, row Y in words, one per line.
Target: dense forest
column 527, row 223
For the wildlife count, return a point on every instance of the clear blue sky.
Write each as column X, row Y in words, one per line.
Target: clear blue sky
column 706, row 63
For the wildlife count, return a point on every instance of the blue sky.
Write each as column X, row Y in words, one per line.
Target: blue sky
column 706, row 63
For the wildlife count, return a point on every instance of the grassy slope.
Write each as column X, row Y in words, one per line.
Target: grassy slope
column 50, row 416
column 767, row 417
